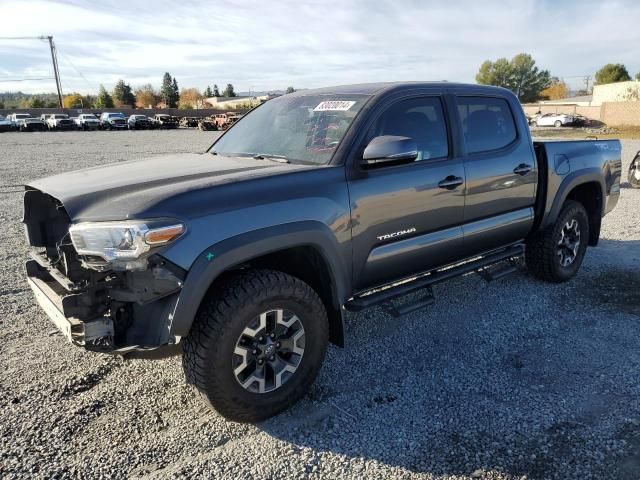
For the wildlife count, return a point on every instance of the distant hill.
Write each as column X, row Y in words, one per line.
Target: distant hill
column 257, row 93
column 20, row 99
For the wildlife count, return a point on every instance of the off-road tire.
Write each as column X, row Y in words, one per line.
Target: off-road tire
column 222, row 316
column 541, row 250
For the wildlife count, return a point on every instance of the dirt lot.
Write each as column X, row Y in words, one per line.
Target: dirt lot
column 512, row 379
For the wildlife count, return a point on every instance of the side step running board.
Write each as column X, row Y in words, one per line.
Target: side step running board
column 384, row 295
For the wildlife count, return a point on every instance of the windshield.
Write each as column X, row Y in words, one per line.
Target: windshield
column 59, row 116
column 22, row 115
column 116, row 115
column 305, row 129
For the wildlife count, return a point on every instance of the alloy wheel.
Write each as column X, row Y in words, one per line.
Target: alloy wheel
column 569, row 242
column 269, row 351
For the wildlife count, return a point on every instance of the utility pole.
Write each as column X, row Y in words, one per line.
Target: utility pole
column 56, row 73
column 54, row 59
column 587, row 79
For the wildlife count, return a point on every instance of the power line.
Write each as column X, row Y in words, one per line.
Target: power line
column 54, row 60
column 35, row 79
column 68, row 60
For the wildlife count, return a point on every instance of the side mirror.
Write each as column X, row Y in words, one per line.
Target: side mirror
column 389, row 149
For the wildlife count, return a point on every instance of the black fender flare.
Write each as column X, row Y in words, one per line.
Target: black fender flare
column 239, row 249
column 571, row 181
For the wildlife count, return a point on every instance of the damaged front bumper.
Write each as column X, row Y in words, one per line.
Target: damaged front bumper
column 125, row 314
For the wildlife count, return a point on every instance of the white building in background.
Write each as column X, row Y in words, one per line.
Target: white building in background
column 616, row 92
column 610, row 92
column 231, row 103
column 581, row 101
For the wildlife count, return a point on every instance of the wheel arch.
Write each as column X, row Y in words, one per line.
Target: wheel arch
column 586, row 188
column 307, row 250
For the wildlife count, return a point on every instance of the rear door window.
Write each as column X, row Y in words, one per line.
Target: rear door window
column 487, row 123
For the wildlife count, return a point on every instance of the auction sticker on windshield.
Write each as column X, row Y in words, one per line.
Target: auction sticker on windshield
column 334, row 106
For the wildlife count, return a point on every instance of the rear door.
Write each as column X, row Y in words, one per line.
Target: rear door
column 407, row 218
column 501, row 172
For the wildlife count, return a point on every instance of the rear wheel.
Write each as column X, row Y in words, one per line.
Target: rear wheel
column 257, row 345
column 557, row 123
column 556, row 253
column 634, row 173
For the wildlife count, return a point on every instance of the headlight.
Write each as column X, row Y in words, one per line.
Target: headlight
column 121, row 244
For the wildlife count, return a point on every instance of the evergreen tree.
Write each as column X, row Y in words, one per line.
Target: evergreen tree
column 520, row 75
column 216, row 92
column 176, row 92
column 167, row 92
column 104, row 100
column 123, row 95
column 207, row 92
column 229, row 92
column 612, row 73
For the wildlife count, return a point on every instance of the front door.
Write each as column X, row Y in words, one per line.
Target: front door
column 407, row 218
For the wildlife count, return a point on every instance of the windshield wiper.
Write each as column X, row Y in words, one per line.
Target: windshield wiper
column 275, row 158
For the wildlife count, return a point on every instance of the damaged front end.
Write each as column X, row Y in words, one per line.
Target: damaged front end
column 104, row 285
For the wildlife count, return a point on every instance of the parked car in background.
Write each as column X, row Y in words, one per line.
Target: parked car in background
column 32, row 125
column 44, row 117
column 189, row 121
column 137, row 122
column 164, row 120
column 6, row 125
column 225, row 120
column 17, row 118
column 552, row 120
column 87, row 121
column 580, row 121
column 634, row 172
column 113, row 121
column 207, row 124
column 60, row 121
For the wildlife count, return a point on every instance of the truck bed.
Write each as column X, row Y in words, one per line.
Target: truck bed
column 565, row 163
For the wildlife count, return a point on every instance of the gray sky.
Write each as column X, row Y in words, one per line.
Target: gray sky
column 262, row 45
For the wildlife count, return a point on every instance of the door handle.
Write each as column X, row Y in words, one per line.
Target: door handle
column 522, row 169
column 451, row 182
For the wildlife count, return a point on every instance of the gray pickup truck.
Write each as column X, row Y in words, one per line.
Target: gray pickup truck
column 244, row 258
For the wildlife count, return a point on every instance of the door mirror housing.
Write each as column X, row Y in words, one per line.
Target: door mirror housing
column 388, row 149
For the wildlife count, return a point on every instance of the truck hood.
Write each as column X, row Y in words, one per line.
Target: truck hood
column 132, row 189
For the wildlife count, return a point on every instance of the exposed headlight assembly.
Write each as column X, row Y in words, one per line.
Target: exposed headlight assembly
column 121, row 245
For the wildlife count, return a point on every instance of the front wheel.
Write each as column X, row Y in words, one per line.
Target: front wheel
column 557, row 124
column 634, row 172
column 556, row 253
column 256, row 345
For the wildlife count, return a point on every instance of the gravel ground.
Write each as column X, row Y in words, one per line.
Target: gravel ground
column 512, row 379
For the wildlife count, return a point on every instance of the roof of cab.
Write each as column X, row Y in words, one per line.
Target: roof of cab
column 386, row 87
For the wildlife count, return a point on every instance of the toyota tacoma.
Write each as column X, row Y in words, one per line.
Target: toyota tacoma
column 245, row 257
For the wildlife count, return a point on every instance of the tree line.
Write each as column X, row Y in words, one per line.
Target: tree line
column 530, row 84
column 123, row 96
column 147, row 96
